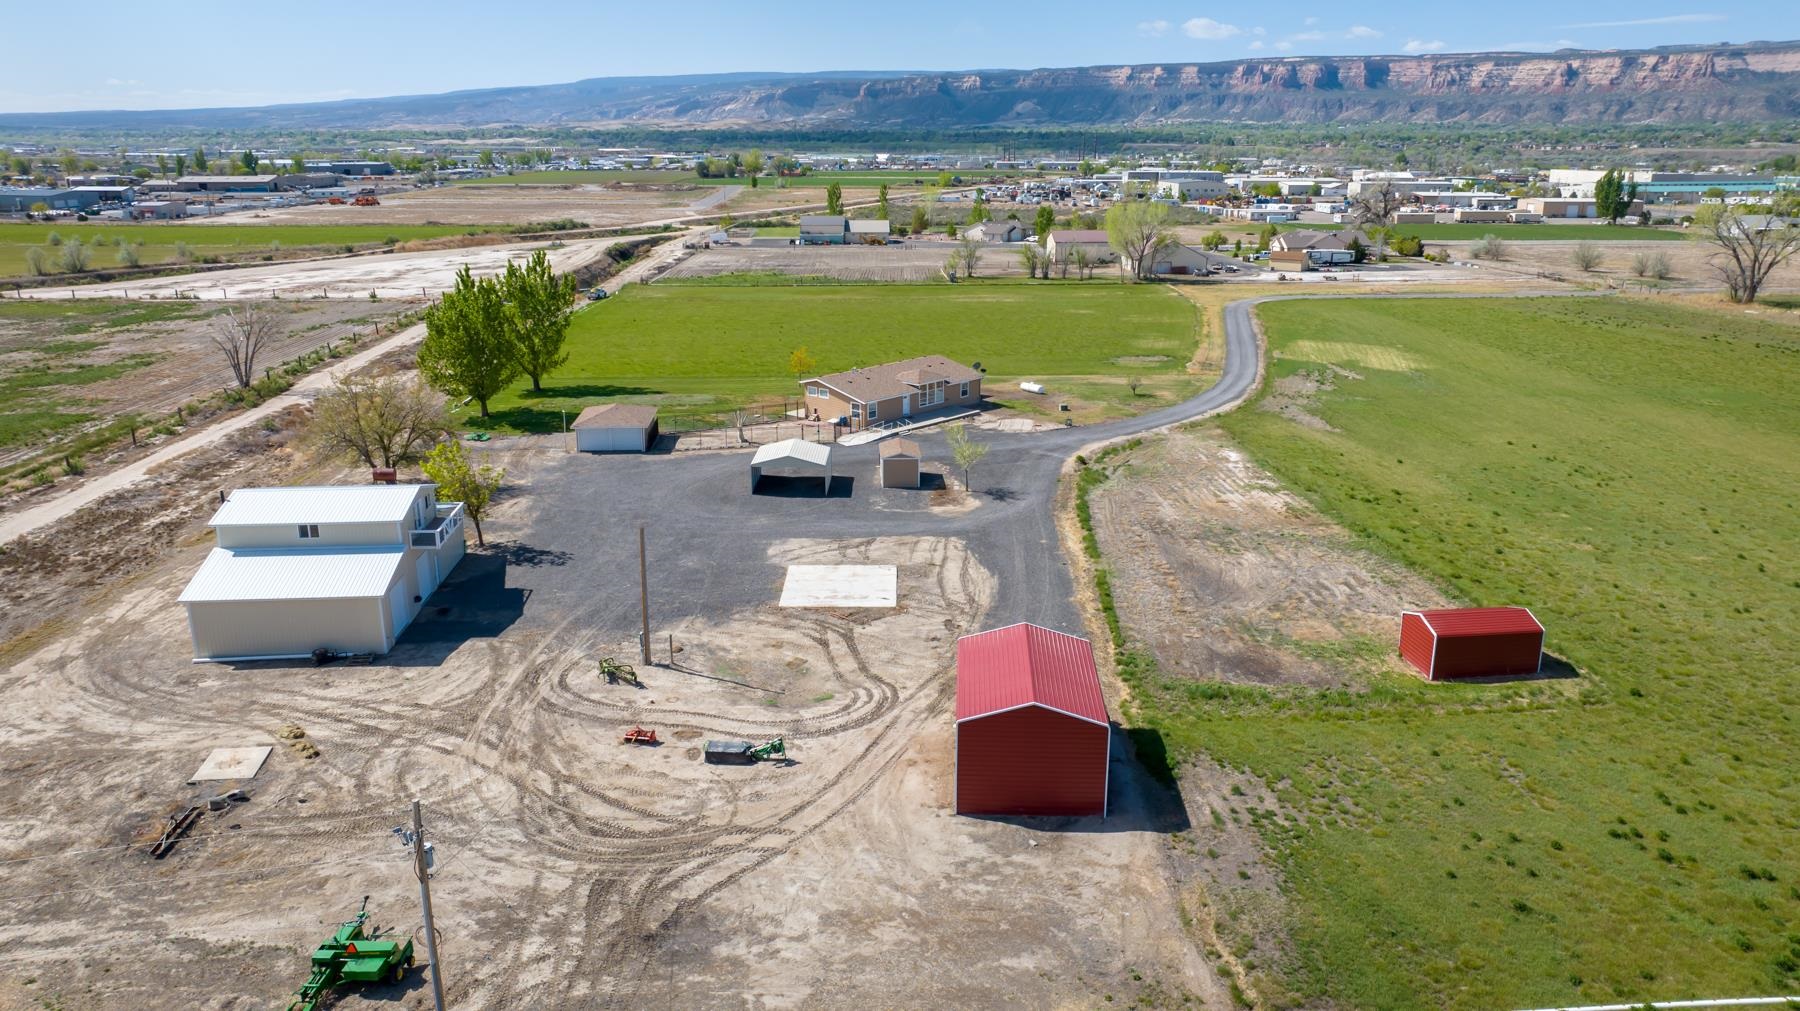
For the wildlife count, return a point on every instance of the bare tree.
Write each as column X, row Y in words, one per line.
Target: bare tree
column 383, row 423
column 1030, row 256
column 970, row 250
column 241, row 333
column 1084, row 263
column 1746, row 250
column 1376, row 207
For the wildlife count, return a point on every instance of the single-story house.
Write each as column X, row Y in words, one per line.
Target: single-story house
column 899, row 463
column 1307, row 238
column 344, row 568
column 1177, row 259
column 873, row 231
column 614, row 428
column 1032, row 734
column 1290, row 259
column 882, row 393
column 997, row 231
column 1063, row 245
column 792, row 458
column 824, row 230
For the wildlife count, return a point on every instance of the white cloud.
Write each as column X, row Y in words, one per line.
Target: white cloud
column 1311, row 21
column 1423, row 46
column 1671, row 19
column 1362, row 32
column 1259, row 30
column 1284, row 45
column 1256, row 46
column 1207, row 28
column 1306, row 37
column 1153, row 28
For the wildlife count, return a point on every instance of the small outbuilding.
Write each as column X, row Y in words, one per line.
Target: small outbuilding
column 792, row 458
column 899, row 463
column 614, row 428
column 1472, row 642
column 1032, row 734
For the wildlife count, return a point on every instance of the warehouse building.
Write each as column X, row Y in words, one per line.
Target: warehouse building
column 343, row 568
column 1032, row 734
column 1472, row 642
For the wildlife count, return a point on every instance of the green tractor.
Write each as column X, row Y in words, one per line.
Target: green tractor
column 353, row 956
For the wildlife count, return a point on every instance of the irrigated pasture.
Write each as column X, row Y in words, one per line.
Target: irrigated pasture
column 1625, row 833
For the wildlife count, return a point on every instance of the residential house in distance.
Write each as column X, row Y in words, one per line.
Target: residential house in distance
column 997, row 231
column 880, row 394
column 1307, row 238
column 870, row 231
column 344, row 568
column 824, row 230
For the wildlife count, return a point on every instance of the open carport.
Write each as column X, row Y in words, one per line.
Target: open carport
column 792, row 458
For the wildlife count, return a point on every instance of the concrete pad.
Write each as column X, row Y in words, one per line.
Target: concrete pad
column 840, row 586
column 231, row 763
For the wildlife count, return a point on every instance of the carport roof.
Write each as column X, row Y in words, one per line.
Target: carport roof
column 257, row 574
column 616, row 416
column 793, row 451
column 1024, row 664
column 350, row 503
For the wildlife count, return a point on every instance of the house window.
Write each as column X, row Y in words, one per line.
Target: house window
column 818, row 392
column 856, row 410
column 965, row 391
column 309, row 531
column 874, row 410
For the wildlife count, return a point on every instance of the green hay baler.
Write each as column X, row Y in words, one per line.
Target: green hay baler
column 352, row 956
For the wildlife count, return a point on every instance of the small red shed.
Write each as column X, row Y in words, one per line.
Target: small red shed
column 1032, row 735
column 1472, row 642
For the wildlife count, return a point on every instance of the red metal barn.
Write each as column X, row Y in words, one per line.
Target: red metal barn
column 1032, row 736
column 1472, row 642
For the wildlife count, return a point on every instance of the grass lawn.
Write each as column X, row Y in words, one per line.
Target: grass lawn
column 580, row 177
column 700, row 350
column 1629, row 471
column 1470, row 231
column 159, row 240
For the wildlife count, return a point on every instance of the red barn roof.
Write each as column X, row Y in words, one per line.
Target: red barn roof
column 1022, row 665
column 1454, row 622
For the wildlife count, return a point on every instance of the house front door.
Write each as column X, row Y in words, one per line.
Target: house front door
column 906, row 405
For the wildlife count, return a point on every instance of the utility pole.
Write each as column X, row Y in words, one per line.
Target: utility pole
column 644, row 596
column 431, row 953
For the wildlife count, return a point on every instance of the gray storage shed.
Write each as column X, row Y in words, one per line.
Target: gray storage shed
column 614, row 428
column 899, row 464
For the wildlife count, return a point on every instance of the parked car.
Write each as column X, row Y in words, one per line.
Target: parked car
column 597, row 295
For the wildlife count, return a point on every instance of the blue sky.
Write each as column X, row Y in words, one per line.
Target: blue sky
column 257, row 54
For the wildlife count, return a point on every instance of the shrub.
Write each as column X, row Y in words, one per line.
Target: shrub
column 75, row 256
column 53, row 239
column 1586, row 255
column 130, row 256
column 1488, row 247
column 37, row 262
column 1652, row 264
column 182, row 253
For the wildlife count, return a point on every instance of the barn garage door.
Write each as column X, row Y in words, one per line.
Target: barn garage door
column 610, row 440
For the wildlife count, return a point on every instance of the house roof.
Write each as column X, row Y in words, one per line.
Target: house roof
column 894, row 379
column 254, row 574
column 899, row 447
column 822, row 222
column 870, row 226
column 1079, row 235
column 1025, row 664
column 616, row 416
column 793, row 451
column 356, row 503
column 1456, row 622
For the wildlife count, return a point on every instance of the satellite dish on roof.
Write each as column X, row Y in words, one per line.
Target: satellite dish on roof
column 977, row 367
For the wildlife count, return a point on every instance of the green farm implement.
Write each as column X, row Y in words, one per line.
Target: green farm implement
column 353, row 956
column 745, row 753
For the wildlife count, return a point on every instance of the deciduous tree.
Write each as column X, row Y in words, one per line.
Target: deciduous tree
column 752, row 165
column 459, row 479
column 1747, row 251
column 466, row 351
column 801, row 363
column 539, row 303
column 241, row 333
column 964, row 450
column 1044, row 223
column 881, row 203
column 382, row 422
column 834, row 199
column 1137, row 231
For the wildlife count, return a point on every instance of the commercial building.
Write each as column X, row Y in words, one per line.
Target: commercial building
column 1472, row 642
column 227, row 184
column 1559, row 207
column 343, row 568
column 1032, row 734
column 76, row 199
column 895, row 391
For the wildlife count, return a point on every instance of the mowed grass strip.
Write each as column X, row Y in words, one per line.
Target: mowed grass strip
column 1453, row 231
column 1628, row 470
column 698, row 349
column 159, row 240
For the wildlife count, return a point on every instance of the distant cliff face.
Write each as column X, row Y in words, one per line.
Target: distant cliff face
column 1757, row 81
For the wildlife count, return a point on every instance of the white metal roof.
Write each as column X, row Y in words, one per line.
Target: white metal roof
column 793, row 451
column 357, row 503
column 294, row 573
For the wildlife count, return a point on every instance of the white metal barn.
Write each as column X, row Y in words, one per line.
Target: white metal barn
column 615, row 428
column 792, row 458
column 344, row 568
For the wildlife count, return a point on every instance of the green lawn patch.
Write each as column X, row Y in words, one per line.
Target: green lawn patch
column 159, row 241
column 699, row 349
column 1628, row 470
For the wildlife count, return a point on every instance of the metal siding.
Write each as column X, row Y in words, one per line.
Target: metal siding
column 227, row 629
column 1451, row 622
column 899, row 472
column 1488, row 655
column 1416, row 642
column 294, row 575
column 1031, row 761
column 1009, row 667
column 349, row 503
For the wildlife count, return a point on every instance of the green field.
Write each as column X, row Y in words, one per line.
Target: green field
column 159, row 240
column 700, row 349
column 1629, row 471
column 849, row 180
column 1470, row 231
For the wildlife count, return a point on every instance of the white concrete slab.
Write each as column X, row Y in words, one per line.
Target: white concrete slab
column 231, row 763
column 840, row 586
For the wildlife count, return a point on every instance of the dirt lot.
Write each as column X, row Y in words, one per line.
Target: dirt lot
column 600, row 206
column 913, row 261
column 1688, row 261
column 1227, row 576
column 572, row 871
